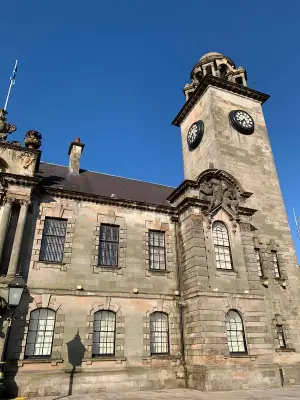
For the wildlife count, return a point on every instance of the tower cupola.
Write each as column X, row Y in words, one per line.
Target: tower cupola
column 218, row 65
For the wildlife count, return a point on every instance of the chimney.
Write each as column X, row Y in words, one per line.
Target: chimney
column 74, row 152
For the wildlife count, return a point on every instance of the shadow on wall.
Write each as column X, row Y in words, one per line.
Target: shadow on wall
column 76, row 352
column 14, row 347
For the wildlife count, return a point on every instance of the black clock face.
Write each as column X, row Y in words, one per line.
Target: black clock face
column 195, row 134
column 242, row 121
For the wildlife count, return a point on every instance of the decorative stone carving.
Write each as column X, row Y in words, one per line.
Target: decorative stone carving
column 33, row 139
column 5, row 127
column 217, row 191
column 27, row 158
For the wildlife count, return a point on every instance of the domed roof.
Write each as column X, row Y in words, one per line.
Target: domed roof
column 213, row 55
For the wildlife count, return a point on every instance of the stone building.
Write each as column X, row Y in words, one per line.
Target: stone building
column 133, row 285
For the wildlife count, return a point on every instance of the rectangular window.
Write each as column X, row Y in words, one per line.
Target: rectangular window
column 258, row 262
column 280, row 336
column 108, row 245
column 275, row 264
column 209, row 70
column 157, row 253
column 53, row 240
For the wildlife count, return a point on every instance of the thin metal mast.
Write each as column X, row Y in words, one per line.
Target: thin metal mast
column 12, row 82
column 296, row 222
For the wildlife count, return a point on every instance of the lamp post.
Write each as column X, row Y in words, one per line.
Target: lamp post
column 15, row 290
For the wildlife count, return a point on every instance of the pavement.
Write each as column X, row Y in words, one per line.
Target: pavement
column 187, row 394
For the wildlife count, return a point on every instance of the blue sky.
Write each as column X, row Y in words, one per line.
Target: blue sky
column 111, row 72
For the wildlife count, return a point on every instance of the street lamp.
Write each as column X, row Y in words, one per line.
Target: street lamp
column 15, row 290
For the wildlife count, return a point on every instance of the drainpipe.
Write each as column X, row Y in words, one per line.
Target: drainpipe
column 180, row 301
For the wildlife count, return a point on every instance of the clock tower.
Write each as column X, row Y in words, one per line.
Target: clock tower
column 239, row 273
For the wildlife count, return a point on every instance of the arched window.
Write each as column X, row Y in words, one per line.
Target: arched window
column 223, row 71
column 104, row 333
column 159, row 333
column 3, row 166
column 40, row 333
column 235, row 332
column 222, row 246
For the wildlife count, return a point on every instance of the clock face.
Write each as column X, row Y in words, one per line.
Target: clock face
column 242, row 121
column 195, row 134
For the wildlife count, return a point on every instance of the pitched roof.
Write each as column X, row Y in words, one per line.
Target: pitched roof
column 57, row 176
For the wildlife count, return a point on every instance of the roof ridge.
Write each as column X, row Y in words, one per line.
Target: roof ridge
column 116, row 176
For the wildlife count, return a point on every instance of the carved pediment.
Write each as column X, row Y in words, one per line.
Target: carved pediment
column 219, row 189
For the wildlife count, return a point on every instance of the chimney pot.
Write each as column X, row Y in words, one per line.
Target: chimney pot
column 75, row 151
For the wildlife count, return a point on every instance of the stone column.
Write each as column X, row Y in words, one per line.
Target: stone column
column 14, row 257
column 4, row 222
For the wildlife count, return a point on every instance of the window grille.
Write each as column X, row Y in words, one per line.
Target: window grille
column 222, row 246
column 235, row 332
column 53, row 240
column 40, row 333
column 258, row 263
column 159, row 333
column 104, row 333
column 280, row 336
column 157, row 253
column 275, row 264
column 108, row 245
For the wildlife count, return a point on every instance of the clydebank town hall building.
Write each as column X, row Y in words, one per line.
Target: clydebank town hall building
column 137, row 286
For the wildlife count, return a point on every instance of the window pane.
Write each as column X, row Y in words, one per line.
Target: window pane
column 157, row 257
column 53, row 240
column 40, row 333
column 258, row 262
column 275, row 264
column 108, row 245
column 235, row 332
column 104, row 333
column 159, row 335
column 222, row 246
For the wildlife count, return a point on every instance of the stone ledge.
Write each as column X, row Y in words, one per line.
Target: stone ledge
column 91, row 360
column 251, row 356
column 287, row 350
column 53, row 362
column 158, row 271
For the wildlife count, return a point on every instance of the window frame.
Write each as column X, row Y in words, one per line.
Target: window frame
column 222, row 246
column 152, row 246
column 42, row 251
column 167, row 332
column 275, row 264
column 98, row 355
column 33, row 356
column 99, row 263
column 259, row 262
column 280, row 331
column 236, row 353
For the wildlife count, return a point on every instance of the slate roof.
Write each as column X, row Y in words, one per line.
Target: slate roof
column 57, row 176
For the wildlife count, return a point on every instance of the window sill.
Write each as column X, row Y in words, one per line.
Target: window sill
column 159, row 271
column 91, row 360
column 251, row 356
column 39, row 361
column 160, row 357
column 108, row 267
column 52, row 262
column 226, row 271
column 287, row 350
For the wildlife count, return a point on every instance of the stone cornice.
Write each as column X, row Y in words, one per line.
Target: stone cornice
column 22, row 180
column 67, row 194
column 210, row 80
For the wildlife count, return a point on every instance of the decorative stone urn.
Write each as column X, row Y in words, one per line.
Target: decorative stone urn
column 33, row 139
